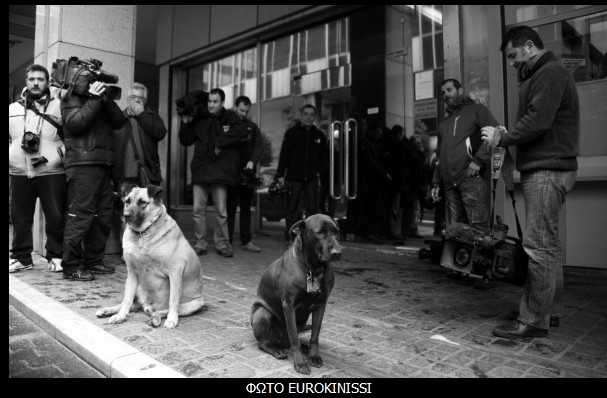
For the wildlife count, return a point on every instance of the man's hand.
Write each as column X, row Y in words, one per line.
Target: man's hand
column 281, row 181
column 249, row 165
column 434, row 193
column 97, row 88
column 135, row 108
column 473, row 170
column 491, row 135
column 186, row 118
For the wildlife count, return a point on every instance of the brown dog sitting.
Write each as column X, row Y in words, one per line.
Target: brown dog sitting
column 293, row 287
column 164, row 273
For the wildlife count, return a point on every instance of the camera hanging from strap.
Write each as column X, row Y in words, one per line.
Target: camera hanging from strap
column 45, row 117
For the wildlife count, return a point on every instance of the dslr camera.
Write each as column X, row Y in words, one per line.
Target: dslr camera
column 276, row 188
column 30, row 142
column 76, row 75
column 474, row 253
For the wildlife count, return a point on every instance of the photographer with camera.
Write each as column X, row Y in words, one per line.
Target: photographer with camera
column 89, row 121
column 35, row 168
column 547, row 138
column 304, row 154
column 216, row 134
column 242, row 193
column 137, row 141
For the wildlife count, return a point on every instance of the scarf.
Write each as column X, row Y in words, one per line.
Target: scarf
column 530, row 66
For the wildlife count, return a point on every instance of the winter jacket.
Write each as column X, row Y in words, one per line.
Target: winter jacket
column 151, row 130
column 217, row 140
column 547, row 130
column 51, row 146
column 459, row 142
column 304, row 154
column 88, row 125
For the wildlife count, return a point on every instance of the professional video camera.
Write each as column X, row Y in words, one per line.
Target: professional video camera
column 192, row 103
column 76, row 75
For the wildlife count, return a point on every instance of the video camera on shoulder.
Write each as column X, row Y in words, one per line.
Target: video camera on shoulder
column 193, row 103
column 76, row 75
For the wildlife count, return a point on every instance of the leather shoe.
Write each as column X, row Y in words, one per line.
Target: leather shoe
column 519, row 330
column 101, row 269
column 78, row 275
column 555, row 321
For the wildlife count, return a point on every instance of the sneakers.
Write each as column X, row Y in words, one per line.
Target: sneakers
column 200, row 247
column 225, row 251
column 54, row 265
column 79, row 275
column 15, row 265
column 250, row 247
column 100, row 269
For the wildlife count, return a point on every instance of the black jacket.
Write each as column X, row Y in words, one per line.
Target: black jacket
column 151, row 131
column 217, row 140
column 88, row 125
column 304, row 154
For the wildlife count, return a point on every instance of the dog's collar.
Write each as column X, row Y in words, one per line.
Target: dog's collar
column 312, row 281
column 148, row 228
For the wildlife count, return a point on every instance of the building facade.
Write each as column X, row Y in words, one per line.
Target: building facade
column 380, row 62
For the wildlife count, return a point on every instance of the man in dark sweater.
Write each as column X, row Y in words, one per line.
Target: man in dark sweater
column 303, row 156
column 546, row 135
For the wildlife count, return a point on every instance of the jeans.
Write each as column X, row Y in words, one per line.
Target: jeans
column 544, row 193
column 24, row 191
column 240, row 196
column 468, row 203
column 90, row 208
column 219, row 194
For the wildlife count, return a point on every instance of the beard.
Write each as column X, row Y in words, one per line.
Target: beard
column 35, row 95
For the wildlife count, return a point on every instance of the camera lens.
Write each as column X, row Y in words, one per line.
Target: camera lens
column 28, row 136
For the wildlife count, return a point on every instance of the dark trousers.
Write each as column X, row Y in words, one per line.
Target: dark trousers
column 301, row 195
column 89, row 216
column 51, row 189
column 240, row 195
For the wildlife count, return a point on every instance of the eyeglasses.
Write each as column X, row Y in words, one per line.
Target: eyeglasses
column 137, row 97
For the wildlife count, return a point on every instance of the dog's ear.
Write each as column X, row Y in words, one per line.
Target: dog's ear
column 126, row 189
column 298, row 228
column 154, row 191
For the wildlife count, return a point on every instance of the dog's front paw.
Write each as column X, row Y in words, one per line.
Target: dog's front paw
column 171, row 322
column 316, row 361
column 303, row 367
column 118, row 318
column 102, row 313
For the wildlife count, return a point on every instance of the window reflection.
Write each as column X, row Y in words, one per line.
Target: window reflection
column 312, row 60
column 581, row 43
column 525, row 12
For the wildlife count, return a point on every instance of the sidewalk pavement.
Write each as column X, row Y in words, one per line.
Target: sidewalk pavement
column 390, row 315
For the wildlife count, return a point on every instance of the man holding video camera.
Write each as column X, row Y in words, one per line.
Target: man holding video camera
column 89, row 121
column 35, row 168
column 546, row 135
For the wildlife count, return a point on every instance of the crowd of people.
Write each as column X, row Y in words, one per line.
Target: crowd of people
column 74, row 152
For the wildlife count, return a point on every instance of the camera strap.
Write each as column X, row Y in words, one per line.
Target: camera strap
column 132, row 140
column 47, row 118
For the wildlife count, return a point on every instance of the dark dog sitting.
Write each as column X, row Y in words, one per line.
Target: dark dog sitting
column 293, row 287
